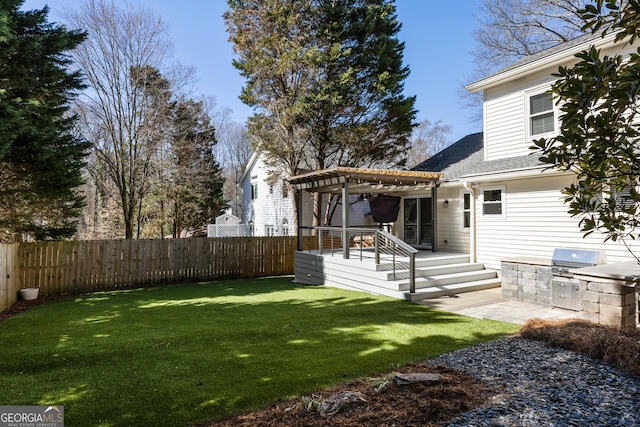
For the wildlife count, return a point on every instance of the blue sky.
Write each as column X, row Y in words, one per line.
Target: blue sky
column 438, row 37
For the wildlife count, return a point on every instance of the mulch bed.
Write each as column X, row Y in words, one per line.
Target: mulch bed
column 22, row 305
column 417, row 404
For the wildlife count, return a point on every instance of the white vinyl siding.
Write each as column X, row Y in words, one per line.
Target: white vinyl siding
column 264, row 205
column 536, row 222
column 451, row 237
column 507, row 115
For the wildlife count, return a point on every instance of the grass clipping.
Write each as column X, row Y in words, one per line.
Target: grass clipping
column 620, row 347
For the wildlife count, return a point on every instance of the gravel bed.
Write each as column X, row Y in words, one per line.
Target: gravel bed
column 541, row 385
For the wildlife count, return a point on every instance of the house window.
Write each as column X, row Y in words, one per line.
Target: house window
column 285, row 227
column 466, row 211
column 254, row 190
column 285, row 190
column 269, row 230
column 626, row 199
column 493, row 201
column 541, row 114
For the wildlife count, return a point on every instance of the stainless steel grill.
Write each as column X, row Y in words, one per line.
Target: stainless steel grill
column 565, row 290
column 564, row 260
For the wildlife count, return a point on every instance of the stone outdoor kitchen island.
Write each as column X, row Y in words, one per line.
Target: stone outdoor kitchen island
column 606, row 294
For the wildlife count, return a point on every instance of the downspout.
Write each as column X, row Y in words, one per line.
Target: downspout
column 472, row 220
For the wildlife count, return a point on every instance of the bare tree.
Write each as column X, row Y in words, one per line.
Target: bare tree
column 426, row 140
column 233, row 151
column 127, row 63
column 237, row 149
column 508, row 30
column 511, row 29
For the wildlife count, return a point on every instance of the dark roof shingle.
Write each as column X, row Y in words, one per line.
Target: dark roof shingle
column 466, row 157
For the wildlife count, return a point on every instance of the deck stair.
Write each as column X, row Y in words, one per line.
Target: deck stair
column 437, row 274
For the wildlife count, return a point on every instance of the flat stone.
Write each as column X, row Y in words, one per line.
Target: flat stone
column 407, row 379
column 335, row 403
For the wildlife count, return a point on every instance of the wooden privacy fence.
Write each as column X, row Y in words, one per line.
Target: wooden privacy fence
column 86, row 266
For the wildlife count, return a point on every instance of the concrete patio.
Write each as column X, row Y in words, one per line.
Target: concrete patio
column 489, row 304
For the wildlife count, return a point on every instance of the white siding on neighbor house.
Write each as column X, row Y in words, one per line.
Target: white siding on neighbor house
column 535, row 222
column 270, row 209
column 451, row 236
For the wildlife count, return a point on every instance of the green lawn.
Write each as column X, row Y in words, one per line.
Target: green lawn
column 181, row 355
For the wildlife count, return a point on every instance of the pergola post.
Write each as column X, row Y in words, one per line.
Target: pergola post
column 345, row 219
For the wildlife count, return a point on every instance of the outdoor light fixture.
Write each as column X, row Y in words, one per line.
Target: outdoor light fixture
column 445, row 204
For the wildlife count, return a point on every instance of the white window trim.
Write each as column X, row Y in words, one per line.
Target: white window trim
column 503, row 200
column 464, row 229
column 527, row 115
column 269, row 230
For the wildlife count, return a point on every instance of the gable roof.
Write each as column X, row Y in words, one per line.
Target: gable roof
column 249, row 168
column 465, row 159
column 457, row 158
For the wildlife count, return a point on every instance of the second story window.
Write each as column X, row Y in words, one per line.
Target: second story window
column 254, row 190
column 541, row 114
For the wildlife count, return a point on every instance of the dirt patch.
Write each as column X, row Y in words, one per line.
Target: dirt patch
column 22, row 305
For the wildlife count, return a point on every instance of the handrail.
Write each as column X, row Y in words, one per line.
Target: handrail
column 383, row 243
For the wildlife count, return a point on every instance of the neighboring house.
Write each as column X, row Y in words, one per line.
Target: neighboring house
column 268, row 204
column 496, row 199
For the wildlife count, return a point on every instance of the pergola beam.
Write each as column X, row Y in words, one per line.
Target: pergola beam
column 346, row 181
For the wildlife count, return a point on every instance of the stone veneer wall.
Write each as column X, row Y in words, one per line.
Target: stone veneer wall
column 608, row 299
column 527, row 280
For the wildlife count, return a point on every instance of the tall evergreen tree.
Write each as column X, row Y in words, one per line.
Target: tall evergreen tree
column 41, row 160
column 326, row 79
column 197, row 178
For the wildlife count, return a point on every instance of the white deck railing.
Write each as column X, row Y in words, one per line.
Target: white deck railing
column 363, row 243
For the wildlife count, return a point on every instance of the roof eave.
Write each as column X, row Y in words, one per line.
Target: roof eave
column 554, row 59
column 532, row 171
column 250, row 164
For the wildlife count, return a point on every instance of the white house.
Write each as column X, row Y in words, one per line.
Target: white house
column 268, row 203
column 487, row 196
column 496, row 200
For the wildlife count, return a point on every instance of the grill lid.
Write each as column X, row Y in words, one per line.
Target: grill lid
column 576, row 257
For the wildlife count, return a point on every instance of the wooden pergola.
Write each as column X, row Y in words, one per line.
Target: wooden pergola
column 346, row 181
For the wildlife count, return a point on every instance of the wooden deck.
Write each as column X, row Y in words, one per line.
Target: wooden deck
column 437, row 273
